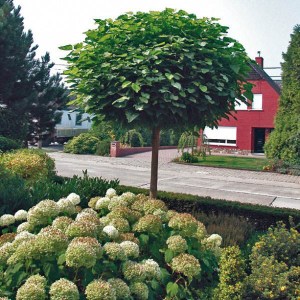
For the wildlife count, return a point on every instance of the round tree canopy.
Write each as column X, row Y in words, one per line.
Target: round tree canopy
column 158, row 69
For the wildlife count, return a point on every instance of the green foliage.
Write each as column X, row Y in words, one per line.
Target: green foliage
column 133, row 138
column 133, row 262
column 7, row 144
column 48, row 96
column 87, row 186
column 143, row 73
column 188, row 157
column 188, row 139
column 275, row 265
column 14, row 194
column 30, row 164
column 284, row 141
column 261, row 216
column 103, row 148
column 231, row 276
column 84, row 143
column 235, row 230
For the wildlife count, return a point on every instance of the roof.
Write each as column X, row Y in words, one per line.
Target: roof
column 257, row 73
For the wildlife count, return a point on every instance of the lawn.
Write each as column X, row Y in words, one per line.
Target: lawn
column 236, row 162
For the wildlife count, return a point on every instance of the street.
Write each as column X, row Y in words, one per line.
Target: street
column 263, row 188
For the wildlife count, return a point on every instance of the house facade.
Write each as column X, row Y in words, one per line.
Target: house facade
column 248, row 131
column 73, row 122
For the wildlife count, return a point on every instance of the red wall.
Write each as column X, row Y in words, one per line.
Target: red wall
column 249, row 119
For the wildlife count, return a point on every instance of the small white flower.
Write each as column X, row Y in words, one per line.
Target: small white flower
column 89, row 211
column 74, row 198
column 111, row 231
column 152, row 268
column 111, row 193
column 7, row 220
column 21, row 215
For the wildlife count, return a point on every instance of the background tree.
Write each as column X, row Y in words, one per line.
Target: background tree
column 48, row 96
column 284, row 141
column 16, row 59
column 159, row 70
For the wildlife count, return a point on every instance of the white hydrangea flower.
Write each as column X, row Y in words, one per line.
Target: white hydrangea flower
column 131, row 249
column 116, row 201
column 21, row 215
column 215, row 240
column 23, row 227
column 7, row 220
column 102, row 203
column 74, row 198
column 111, row 193
column 66, row 206
column 152, row 268
column 111, row 231
column 24, row 235
column 89, row 211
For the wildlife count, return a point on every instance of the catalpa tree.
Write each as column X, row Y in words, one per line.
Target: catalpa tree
column 158, row 69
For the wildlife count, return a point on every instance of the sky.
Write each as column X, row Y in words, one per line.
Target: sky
column 260, row 25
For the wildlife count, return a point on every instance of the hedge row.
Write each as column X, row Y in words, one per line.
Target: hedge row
column 261, row 216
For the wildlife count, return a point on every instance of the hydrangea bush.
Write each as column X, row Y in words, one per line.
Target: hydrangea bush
column 120, row 247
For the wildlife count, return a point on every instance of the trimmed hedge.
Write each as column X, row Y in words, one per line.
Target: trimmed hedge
column 261, row 216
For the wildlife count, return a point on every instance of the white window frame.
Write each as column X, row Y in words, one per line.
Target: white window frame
column 224, row 134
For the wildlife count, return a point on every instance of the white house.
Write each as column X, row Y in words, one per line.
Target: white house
column 73, row 122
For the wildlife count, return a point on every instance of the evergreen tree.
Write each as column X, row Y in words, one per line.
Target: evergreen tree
column 48, row 96
column 284, row 142
column 16, row 59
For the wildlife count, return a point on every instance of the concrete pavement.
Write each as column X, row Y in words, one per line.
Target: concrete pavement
column 263, row 188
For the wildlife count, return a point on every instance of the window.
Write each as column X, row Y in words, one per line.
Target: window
column 239, row 105
column 78, row 119
column 222, row 135
column 257, row 102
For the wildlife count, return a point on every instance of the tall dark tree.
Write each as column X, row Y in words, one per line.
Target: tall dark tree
column 159, row 70
column 48, row 96
column 284, row 142
column 16, row 59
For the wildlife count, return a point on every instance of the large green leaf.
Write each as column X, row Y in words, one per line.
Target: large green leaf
column 136, row 87
column 176, row 85
column 125, row 84
column 131, row 116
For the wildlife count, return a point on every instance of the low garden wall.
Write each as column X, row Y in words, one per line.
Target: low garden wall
column 116, row 150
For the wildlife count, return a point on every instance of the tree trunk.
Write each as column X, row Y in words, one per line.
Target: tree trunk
column 154, row 162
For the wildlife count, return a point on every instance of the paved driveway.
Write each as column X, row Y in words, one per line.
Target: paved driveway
column 245, row 186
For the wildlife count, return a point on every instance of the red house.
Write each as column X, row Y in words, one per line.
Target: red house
column 249, row 131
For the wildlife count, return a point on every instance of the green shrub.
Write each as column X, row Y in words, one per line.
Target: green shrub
column 260, row 216
column 275, row 265
column 188, row 158
column 231, row 276
column 133, row 138
column 127, row 245
column 30, row 164
column 103, row 148
column 7, row 144
column 87, row 186
column 85, row 143
column 13, row 192
column 234, row 230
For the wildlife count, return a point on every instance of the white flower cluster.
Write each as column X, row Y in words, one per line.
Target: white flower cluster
column 112, row 233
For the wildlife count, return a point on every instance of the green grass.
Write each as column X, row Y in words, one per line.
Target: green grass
column 235, row 162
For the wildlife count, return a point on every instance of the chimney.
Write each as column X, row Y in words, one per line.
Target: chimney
column 259, row 60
